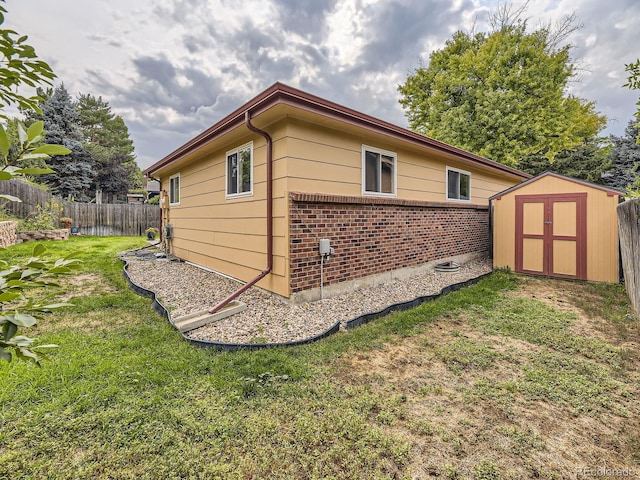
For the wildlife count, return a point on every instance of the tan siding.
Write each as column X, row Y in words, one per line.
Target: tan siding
column 229, row 235
column 602, row 226
column 312, row 171
column 421, row 187
column 243, row 241
column 504, row 236
column 602, row 238
column 324, row 160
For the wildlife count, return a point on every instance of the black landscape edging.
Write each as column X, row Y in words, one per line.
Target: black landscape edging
column 222, row 346
column 397, row 307
column 356, row 322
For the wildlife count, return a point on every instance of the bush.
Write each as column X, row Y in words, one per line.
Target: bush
column 44, row 218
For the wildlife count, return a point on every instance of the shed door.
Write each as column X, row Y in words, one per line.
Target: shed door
column 551, row 235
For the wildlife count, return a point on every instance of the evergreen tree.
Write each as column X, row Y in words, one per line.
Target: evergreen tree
column 100, row 126
column 625, row 159
column 586, row 162
column 106, row 136
column 113, row 176
column 501, row 94
column 73, row 175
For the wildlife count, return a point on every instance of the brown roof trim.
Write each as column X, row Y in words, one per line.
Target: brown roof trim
column 279, row 93
column 610, row 191
column 303, row 197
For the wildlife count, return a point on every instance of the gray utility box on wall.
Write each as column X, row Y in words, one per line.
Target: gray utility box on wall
column 325, row 247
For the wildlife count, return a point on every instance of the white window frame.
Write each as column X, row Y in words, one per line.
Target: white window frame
column 171, row 178
column 236, row 150
column 446, row 183
column 394, row 155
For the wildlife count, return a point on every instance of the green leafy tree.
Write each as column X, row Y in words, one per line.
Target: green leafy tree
column 625, row 159
column 501, row 94
column 588, row 162
column 18, row 309
column 633, row 82
column 633, row 190
column 19, row 67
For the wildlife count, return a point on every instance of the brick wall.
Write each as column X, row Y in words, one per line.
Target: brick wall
column 374, row 235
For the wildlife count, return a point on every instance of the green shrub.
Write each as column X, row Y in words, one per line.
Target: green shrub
column 44, row 218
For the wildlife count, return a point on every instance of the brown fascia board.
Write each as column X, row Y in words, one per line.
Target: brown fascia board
column 610, row 191
column 281, row 94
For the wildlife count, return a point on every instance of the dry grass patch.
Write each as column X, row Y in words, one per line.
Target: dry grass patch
column 535, row 388
column 83, row 285
column 602, row 310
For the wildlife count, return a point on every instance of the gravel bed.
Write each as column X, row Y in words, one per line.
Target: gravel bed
column 184, row 289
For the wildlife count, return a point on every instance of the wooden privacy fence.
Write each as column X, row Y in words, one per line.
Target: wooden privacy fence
column 31, row 197
column 108, row 219
column 629, row 231
column 91, row 219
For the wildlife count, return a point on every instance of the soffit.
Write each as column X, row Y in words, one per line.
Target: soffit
column 280, row 101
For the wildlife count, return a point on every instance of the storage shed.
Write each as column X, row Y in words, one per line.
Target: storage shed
column 557, row 226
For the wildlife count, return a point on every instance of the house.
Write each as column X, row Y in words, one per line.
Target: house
column 252, row 196
column 152, row 187
column 558, row 226
column 135, row 198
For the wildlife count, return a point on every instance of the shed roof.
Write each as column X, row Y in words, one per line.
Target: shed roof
column 280, row 94
column 609, row 191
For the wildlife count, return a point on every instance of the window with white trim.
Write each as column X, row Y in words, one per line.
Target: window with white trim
column 458, row 185
column 240, row 171
column 378, row 171
column 174, row 189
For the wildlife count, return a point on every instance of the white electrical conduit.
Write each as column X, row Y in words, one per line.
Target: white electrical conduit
column 322, row 277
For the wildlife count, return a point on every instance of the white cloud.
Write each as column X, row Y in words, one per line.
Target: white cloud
column 171, row 68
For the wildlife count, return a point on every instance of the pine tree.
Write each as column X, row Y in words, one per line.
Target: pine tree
column 586, row 162
column 73, row 175
column 625, row 158
column 106, row 136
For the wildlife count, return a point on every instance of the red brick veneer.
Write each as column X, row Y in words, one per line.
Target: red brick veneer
column 374, row 235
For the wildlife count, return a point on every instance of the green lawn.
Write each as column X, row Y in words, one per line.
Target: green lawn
column 439, row 391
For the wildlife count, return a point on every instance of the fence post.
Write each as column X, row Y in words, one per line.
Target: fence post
column 629, row 232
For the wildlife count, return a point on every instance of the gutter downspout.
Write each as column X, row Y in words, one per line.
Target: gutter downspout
column 159, row 195
column 266, row 271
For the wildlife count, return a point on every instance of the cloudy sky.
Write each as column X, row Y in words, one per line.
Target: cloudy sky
column 172, row 68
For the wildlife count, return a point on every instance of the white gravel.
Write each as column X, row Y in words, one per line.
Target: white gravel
column 183, row 289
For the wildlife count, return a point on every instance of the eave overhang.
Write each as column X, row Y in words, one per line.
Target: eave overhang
column 280, row 94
